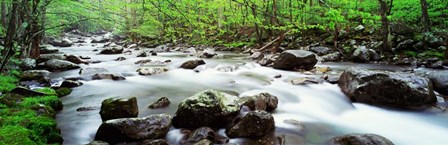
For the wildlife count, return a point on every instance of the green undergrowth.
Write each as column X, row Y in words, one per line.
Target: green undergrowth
column 31, row 122
column 7, row 83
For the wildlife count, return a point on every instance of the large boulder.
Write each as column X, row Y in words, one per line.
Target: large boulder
column 75, row 59
column 46, row 57
column 254, row 124
column 47, row 49
column 70, row 84
column 28, row 64
column 61, row 43
column 296, row 59
column 112, row 50
column 207, row 108
column 200, row 134
column 191, row 64
column 147, row 71
column 114, row 108
column 360, row 139
column 60, row 65
column 361, row 54
column 439, row 79
column 134, row 129
column 39, row 75
column 386, row 88
column 262, row 101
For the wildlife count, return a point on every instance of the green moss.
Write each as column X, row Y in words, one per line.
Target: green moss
column 15, row 135
column 7, row 83
column 52, row 101
column 47, row 91
column 63, row 92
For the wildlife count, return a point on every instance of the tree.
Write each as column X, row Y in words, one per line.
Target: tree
column 384, row 26
column 425, row 21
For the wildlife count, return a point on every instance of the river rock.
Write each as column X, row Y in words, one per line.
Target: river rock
column 104, row 76
column 47, row 49
column 360, row 139
column 227, row 67
column 207, row 108
column 439, row 79
column 257, row 56
column 143, row 61
column 75, row 59
column 154, row 142
column 70, row 84
column 112, row 50
column 361, row 54
column 114, row 108
column 46, row 57
column 306, row 81
column 61, row 43
column 28, row 64
column 100, row 40
column 386, row 88
column 262, row 101
column 121, row 58
column 134, row 129
column 203, row 133
column 60, row 65
column 30, row 75
column 321, row 50
column 296, row 59
column 146, row 71
column 208, row 53
column 162, row 102
column 191, row 64
column 254, row 124
column 97, row 142
column 92, row 70
column 335, row 56
column 142, row 54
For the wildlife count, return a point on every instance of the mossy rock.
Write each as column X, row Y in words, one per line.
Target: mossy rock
column 61, row 92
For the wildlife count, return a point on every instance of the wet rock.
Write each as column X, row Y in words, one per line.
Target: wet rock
column 320, row 50
column 70, row 84
column 103, row 76
column 143, row 61
column 439, row 78
column 39, row 75
column 60, row 65
column 207, row 108
column 162, row 102
column 360, row 139
column 100, row 40
column 114, row 108
column 142, row 54
column 146, row 71
column 203, row 133
column 75, row 59
column 161, row 48
column 436, row 65
column 61, row 43
column 28, row 64
column 257, row 56
column 268, row 60
column 134, row 129
column 386, row 88
column 112, row 50
column 61, row 92
column 46, row 57
column 154, row 142
column 191, row 64
column 208, row 53
column 84, row 109
column 254, row 124
column 92, row 70
column 47, row 49
column 227, row 67
column 120, row 58
column 191, row 50
column 296, row 59
column 374, row 56
column 332, row 79
column 262, row 101
column 361, row 54
column 98, row 143
column 306, row 81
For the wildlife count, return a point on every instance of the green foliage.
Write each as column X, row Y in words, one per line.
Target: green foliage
column 52, row 101
column 15, row 135
column 7, row 83
column 47, row 90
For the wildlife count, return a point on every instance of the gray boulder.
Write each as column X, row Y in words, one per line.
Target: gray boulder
column 254, row 124
column 28, row 64
column 191, row 64
column 439, row 79
column 386, row 88
column 47, row 49
column 70, row 84
column 134, row 129
column 296, row 59
column 46, row 57
column 360, row 139
column 162, row 102
column 361, row 54
column 112, row 50
column 207, row 108
column 262, row 101
column 60, row 65
column 335, row 56
column 114, row 108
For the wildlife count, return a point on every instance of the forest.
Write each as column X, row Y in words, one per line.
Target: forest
column 223, row 72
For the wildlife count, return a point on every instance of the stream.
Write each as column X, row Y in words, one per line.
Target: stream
column 322, row 109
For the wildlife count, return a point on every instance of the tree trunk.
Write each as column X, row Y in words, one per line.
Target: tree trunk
column 10, row 35
column 3, row 15
column 425, row 21
column 254, row 12
column 384, row 25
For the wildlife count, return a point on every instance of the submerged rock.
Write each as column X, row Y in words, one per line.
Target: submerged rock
column 114, row 108
column 134, row 129
column 207, row 108
column 146, row 71
column 262, row 101
column 360, row 139
column 60, row 65
column 71, row 84
column 386, row 88
column 112, row 50
column 162, row 102
column 191, row 64
column 254, row 124
column 108, row 77
column 296, row 59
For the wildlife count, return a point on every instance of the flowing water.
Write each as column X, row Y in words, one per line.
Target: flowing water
column 322, row 109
